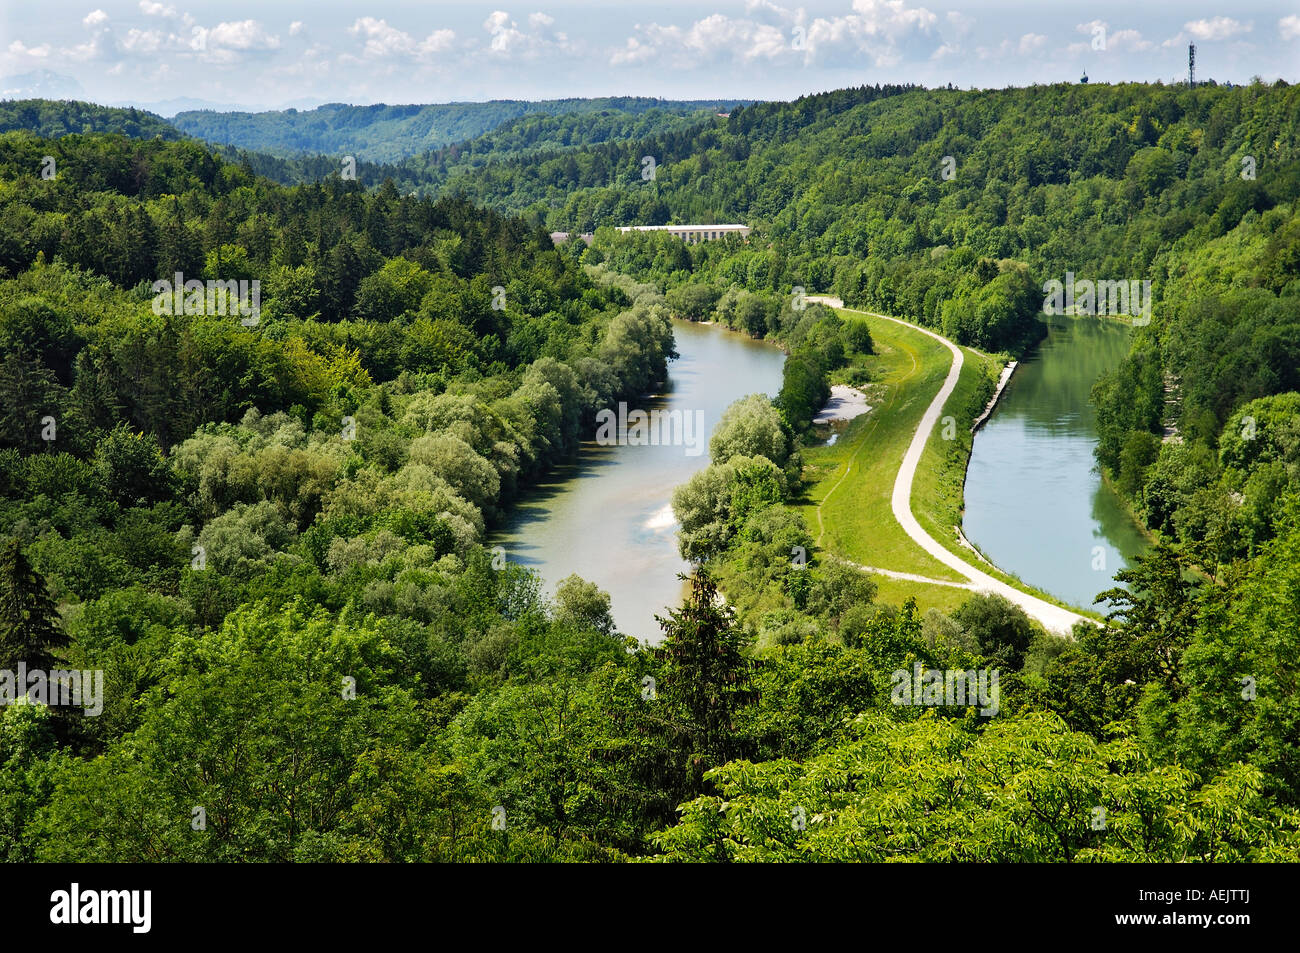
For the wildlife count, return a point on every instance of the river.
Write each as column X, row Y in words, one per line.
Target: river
column 606, row 515
column 1035, row 501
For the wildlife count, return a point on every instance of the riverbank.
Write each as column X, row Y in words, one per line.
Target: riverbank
column 1003, row 379
column 1035, row 503
column 853, row 503
column 846, row 403
column 846, row 501
column 607, row 515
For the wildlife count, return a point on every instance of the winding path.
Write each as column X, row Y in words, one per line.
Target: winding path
column 1053, row 617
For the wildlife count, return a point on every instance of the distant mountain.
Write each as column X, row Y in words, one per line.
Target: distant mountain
column 384, row 133
column 170, row 107
column 39, row 84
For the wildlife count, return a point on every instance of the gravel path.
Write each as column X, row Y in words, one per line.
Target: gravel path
column 1053, row 617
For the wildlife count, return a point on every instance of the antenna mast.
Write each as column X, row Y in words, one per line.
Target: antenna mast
column 1191, row 64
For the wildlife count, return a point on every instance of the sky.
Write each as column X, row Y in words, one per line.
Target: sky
column 278, row 53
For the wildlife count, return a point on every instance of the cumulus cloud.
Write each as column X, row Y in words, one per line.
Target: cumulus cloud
column 960, row 22
column 380, row 38
column 1210, row 30
column 240, row 35
column 506, row 39
column 18, row 48
column 383, row 41
column 504, row 33
column 94, row 18
column 881, row 29
column 1103, row 39
column 1216, row 28
column 1289, row 27
column 1031, row 43
column 1027, row 44
column 633, row 52
column 143, row 41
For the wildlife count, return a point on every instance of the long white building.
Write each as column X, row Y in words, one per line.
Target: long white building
column 692, row 233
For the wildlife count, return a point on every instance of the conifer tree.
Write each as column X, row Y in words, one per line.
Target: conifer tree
column 29, row 621
column 706, row 677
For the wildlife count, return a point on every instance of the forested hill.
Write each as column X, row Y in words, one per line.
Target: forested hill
column 55, row 118
column 356, row 287
column 269, row 534
column 956, row 208
column 1054, row 175
column 536, row 136
column 384, row 133
column 378, row 145
column 947, row 207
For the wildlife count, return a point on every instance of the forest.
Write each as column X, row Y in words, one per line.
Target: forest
column 387, row 134
column 273, row 539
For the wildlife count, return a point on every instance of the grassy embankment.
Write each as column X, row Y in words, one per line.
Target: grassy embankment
column 847, row 502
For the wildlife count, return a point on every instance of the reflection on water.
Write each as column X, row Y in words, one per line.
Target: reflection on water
column 607, row 515
column 1035, row 502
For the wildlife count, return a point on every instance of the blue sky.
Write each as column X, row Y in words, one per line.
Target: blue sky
column 273, row 53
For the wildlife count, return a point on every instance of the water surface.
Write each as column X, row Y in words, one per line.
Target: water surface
column 1035, row 501
column 607, row 515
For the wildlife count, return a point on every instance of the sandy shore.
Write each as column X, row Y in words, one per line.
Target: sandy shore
column 845, row 404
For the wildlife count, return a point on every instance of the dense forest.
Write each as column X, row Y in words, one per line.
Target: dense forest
column 389, row 133
column 271, row 538
column 952, row 208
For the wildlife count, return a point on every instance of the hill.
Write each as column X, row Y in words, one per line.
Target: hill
column 51, row 119
column 388, row 133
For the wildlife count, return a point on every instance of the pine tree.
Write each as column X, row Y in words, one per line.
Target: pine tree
column 28, row 392
column 706, row 677
column 29, row 621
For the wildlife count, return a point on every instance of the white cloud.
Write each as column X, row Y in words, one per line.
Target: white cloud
column 506, row 39
column 437, row 41
column 633, row 52
column 228, row 42
column 296, row 27
column 881, row 29
column 94, row 18
column 1216, row 28
column 1120, row 41
column 960, row 21
column 1031, row 43
column 18, row 48
column 143, row 41
column 1027, row 45
column 383, row 41
column 156, row 9
column 1128, row 40
column 505, row 34
column 1289, row 27
column 241, row 35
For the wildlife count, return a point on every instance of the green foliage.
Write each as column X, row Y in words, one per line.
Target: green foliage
column 714, row 504
column 383, row 133
column 1022, row 791
column 30, row 629
column 271, row 538
column 1001, row 631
